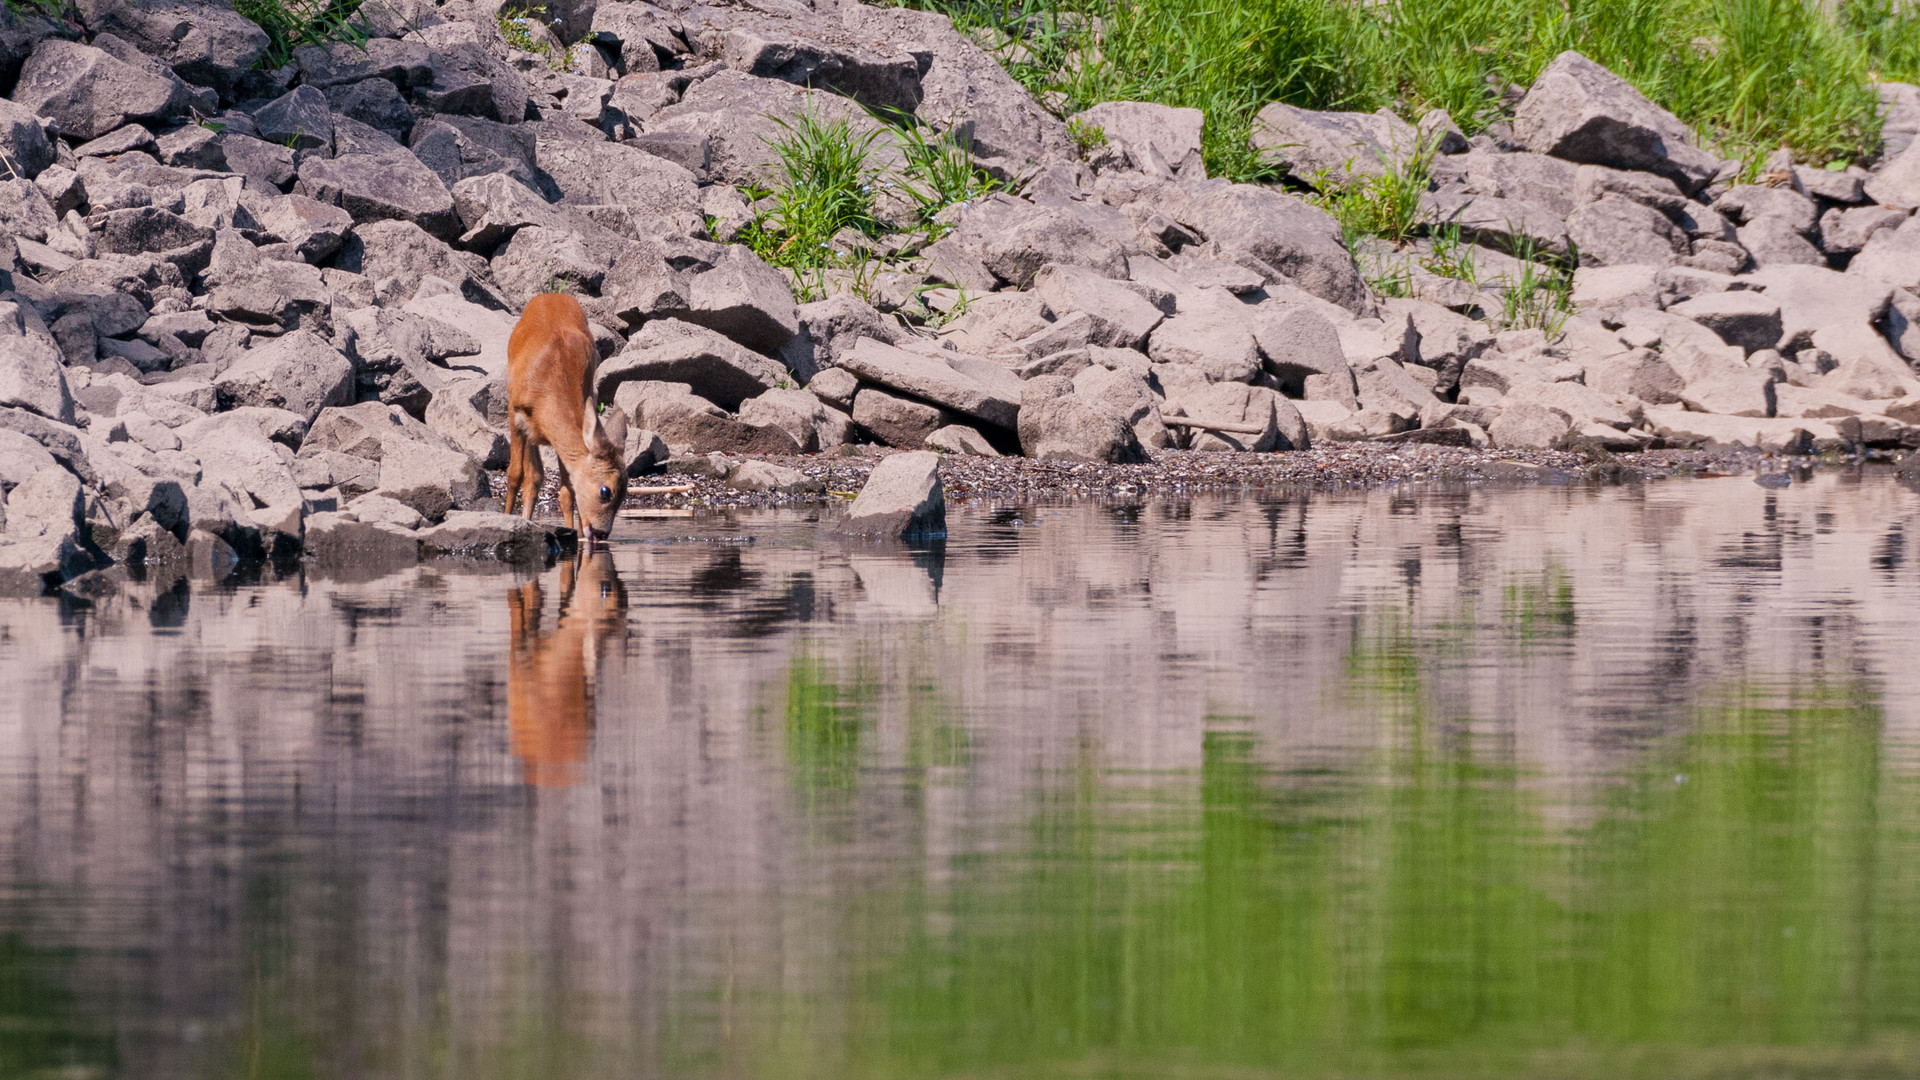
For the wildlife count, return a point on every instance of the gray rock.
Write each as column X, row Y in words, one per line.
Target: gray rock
column 1141, row 128
column 24, row 211
column 932, row 380
column 1891, row 256
column 494, row 206
column 829, row 328
column 879, row 78
column 381, row 510
column 233, row 450
column 206, row 44
column 1548, row 183
column 149, row 229
column 85, row 92
column 458, row 413
column 628, row 190
column 397, row 255
column 1773, row 241
column 267, row 164
column 1579, row 111
column 1214, row 332
column 192, row 147
column 765, row 476
column 42, row 542
column 902, row 500
column 1731, row 393
column 338, row 540
column 960, row 439
column 62, row 187
column 23, row 141
column 477, row 534
column 299, row 372
column 1746, row 203
column 1843, row 232
column 1529, row 426
column 1747, row 319
column 834, row 387
column 689, row 423
column 1614, row 231
column 301, row 118
column 393, row 185
column 1228, row 403
column 638, row 34
column 467, row 78
column 1500, row 223
column 376, row 103
column 1013, row 239
column 30, row 367
column 458, row 147
column 1121, row 318
column 1338, row 145
column 745, row 299
column 1897, row 182
column 274, row 293
column 800, row 414
column 402, row 63
column 646, row 452
column 1056, row 425
column 669, row 350
column 895, row 420
column 1298, row 240
column 313, row 229
column 432, row 479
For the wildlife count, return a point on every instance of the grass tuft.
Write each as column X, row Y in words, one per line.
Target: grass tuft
column 292, row 23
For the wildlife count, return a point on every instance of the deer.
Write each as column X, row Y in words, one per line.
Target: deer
column 551, row 675
column 551, row 360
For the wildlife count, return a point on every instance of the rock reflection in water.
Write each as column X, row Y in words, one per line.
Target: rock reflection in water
column 551, row 673
column 1560, row 782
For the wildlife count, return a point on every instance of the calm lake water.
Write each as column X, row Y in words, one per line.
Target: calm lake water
column 1550, row 782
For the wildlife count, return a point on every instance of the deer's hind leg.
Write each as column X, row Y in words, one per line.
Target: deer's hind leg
column 516, row 465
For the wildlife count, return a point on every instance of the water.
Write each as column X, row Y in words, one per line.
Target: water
column 1558, row 782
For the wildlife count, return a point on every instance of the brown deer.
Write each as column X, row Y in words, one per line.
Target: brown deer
column 551, row 676
column 550, row 401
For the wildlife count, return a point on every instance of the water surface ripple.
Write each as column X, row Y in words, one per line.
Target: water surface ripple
column 1582, row 782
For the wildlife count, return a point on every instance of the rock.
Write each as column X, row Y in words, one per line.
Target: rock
column 417, row 466
column 1528, row 426
column 1772, row 241
column 1547, row 183
column 314, row 229
column 299, row 372
column 397, row 255
column 41, row 543
column 84, row 92
column 1298, row 240
column 1338, row 145
column 834, row 387
column 274, row 293
column 645, row 452
column 1122, row 319
column 1731, row 393
column 960, row 439
column 1056, row 425
column 192, row 146
column 392, row 185
column 1685, row 429
column 233, row 450
column 1014, row 239
column 1639, row 373
column 402, row 63
column 1615, row 231
column 1498, row 223
column 829, row 328
column 205, row 44
column 301, row 118
column 645, row 195
column 458, row 413
column 1228, row 403
column 902, row 500
column 459, row 147
column 23, row 142
column 1579, row 111
column 1843, row 232
column 1125, row 394
column 149, row 229
column 466, row 77
column 1747, row 319
column 1813, row 297
column 376, row 103
column 30, row 368
column 1214, row 333
column 338, row 540
column 894, row 420
column 24, row 211
column 267, row 164
column 668, row 350
column 1897, row 182
column 381, row 510
column 1139, row 129
column 1747, row 203
column 879, row 80
column 765, row 476
column 477, row 534
column 932, row 380
column 813, row 425
column 637, row 33
column 494, row 206
column 1891, row 256
column 745, row 299
column 689, row 423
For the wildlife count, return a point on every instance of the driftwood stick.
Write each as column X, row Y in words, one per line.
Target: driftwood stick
column 671, row 489
column 1231, row 429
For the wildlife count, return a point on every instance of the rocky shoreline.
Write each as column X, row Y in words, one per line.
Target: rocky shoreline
column 256, row 311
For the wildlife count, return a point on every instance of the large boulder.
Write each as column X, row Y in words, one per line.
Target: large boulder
column 1122, row 318
column 42, row 542
column 23, row 141
column 1615, row 231
column 298, row 372
column 902, row 500
column 745, row 299
column 937, row 381
column 30, row 366
column 1891, row 257
column 390, row 185
column 895, row 420
column 1057, row 425
column 232, row 449
column 86, row 92
column 814, row 53
column 669, row 350
column 1214, row 332
column 1580, row 111
column 1897, row 183
column 1301, row 241
column 205, row 43
column 830, row 328
column 301, row 118
column 627, row 189
column 1746, row 318
column 1144, row 129
column 1013, row 239
column 689, row 423
column 397, row 255
column 416, row 465
column 1336, row 146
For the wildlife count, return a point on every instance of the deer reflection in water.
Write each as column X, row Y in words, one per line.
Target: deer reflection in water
column 551, row 675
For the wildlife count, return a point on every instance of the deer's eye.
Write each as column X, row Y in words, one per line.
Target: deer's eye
column 606, row 493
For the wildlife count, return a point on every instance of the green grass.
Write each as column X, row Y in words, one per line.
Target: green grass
column 1750, row 75
column 292, row 23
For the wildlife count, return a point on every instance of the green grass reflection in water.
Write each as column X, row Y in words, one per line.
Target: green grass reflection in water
column 1735, row 904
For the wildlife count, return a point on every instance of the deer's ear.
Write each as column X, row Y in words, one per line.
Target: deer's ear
column 613, row 426
column 590, row 422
